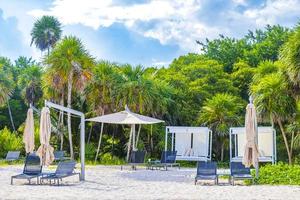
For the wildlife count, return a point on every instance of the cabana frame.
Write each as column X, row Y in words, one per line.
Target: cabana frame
column 82, row 132
column 234, row 148
column 189, row 132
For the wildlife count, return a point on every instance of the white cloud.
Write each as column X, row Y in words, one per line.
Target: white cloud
column 175, row 21
column 275, row 11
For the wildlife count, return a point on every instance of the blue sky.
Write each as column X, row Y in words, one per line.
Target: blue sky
column 147, row 32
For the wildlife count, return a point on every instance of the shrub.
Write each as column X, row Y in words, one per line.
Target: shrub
column 90, row 151
column 108, row 159
column 279, row 174
column 9, row 142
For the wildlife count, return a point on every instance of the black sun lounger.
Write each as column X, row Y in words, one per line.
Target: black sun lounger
column 239, row 172
column 206, row 171
column 63, row 170
column 32, row 169
column 168, row 159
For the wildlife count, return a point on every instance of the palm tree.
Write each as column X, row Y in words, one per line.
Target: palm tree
column 6, row 86
column 101, row 92
column 29, row 81
column 72, row 62
column 54, row 86
column 273, row 99
column 220, row 113
column 290, row 58
column 45, row 33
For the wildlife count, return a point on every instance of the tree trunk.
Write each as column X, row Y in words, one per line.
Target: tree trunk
column 100, row 139
column 99, row 143
column 61, row 122
column 90, row 133
column 151, row 140
column 129, row 145
column 70, row 84
column 292, row 144
column 138, row 135
column 10, row 116
column 285, row 140
column 222, row 151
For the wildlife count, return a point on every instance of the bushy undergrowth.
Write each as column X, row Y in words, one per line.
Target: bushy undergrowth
column 9, row 141
column 279, row 174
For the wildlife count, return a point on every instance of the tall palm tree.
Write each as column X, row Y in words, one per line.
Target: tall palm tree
column 290, row 58
column 29, row 81
column 101, row 92
column 72, row 62
column 54, row 87
column 220, row 113
column 273, row 99
column 6, row 86
column 45, row 33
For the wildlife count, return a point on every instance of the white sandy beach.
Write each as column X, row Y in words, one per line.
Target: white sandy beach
column 109, row 182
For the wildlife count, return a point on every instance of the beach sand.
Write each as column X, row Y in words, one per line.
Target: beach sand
column 109, row 182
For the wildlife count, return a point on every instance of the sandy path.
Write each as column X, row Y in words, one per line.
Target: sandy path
column 103, row 182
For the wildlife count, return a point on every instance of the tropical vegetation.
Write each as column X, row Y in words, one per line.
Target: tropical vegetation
column 210, row 89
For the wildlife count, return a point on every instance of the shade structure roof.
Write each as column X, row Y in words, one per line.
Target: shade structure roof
column 125, row 117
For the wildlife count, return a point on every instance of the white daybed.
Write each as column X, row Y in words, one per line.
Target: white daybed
column 266, row 144
column 191, row 143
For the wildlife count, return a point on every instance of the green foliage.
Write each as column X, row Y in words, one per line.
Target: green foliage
column 29, row 82
column 241, row 77
column 221, row 112
column 279, row 174
column 210, row 89
column 271, row 96
column 6, row 81
column 290, row 56
column 90, row 151
column 9, row 142
column 109, row 159
column 46, row 32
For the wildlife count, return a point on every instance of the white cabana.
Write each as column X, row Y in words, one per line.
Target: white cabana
column 266, row 144
column 191, row 143
column 125, row 117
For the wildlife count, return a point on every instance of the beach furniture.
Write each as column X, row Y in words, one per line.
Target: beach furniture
column 239, row 172
column 59, row 156
column 32, row 169
column 136, row 158
column 168, row 159
column 266, row 137
column 206, row 171
column 12, row 155
column 191, row 143
column 63, row 170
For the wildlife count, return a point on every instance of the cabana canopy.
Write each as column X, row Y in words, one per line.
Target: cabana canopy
column 125, row 117
column 128, row 118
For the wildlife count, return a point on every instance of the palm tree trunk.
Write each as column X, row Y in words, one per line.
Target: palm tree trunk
column 100, row 139
column 129, row 145
column 151, row 140
column 292, row 144
column 69, row 99
column 99, row 143
column 61, row 122
column 138, row 135
column 285, row 140
column 222, row 151
column 90, row 133
column 10, row 116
